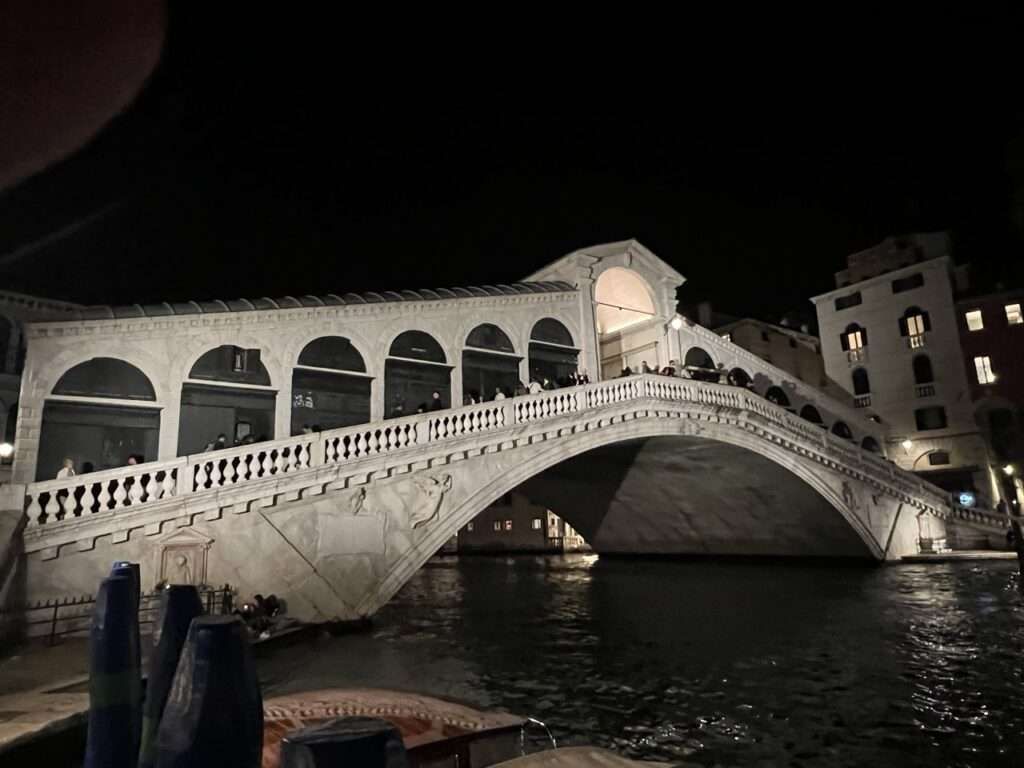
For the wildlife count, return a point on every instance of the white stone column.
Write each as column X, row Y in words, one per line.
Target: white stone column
column 590, row 345
column 377, row 397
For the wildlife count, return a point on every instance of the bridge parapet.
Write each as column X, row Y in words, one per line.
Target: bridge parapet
column 731, row 356
column 58, row 506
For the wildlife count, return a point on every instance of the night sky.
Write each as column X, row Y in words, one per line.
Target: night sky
column 277, row 157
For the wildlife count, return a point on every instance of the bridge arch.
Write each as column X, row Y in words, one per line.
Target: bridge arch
column 489, row 363
column 553, row 353
column 99, row 412
column 331, row 386
column 416, row 366
column 519, row 472
column 811, row 414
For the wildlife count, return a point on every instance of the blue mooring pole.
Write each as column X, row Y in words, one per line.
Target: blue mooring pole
column 214, row 713
column 179, row 605
column 114, row 682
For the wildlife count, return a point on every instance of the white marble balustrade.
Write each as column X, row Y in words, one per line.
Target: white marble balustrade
column 54, row 501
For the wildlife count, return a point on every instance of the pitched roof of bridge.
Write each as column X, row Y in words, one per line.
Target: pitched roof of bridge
column 165, row 309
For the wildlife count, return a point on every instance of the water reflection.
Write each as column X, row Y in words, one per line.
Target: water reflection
column 709, row 663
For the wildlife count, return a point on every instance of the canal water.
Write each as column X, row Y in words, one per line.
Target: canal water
column 708, row 663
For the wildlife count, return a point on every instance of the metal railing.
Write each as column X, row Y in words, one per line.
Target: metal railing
column 71, row 616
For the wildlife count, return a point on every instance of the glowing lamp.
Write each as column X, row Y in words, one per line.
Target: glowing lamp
column 1008, row 470
column 677, row 323
column 6, row 450
column 907, row 444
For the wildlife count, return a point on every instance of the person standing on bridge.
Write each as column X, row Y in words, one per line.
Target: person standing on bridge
column 498, row 394
column 436, row 404
column 67, row 469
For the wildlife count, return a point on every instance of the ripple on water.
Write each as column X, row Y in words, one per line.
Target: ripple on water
column 709, row 663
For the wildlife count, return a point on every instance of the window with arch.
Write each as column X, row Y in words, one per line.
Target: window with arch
column 841, row 429
column 777, row 395
column 854, row 340
column 739, row 377
column 913, row 325
column 700, row 365
column 77, row 424
column 489, row 365
column 861, row 383
column 811, row 414
column 229, row 363
column 330, row 386
column 227, row 401
column 552, row 355
column 922, row 365
column 415, row 371
column 870, row 444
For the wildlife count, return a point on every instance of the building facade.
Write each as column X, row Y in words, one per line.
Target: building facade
column 992, row 338
column 515, row 524
column 890, row 336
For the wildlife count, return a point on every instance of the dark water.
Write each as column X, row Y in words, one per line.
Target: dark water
column 705, row 663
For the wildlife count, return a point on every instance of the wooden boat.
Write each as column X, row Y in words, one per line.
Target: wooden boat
column 436, row 733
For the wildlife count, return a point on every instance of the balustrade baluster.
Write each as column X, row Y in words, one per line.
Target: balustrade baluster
column 152, row 488
column 167, row 485
column 34, row 511
column 86, row 500
column 135, row 493
column 280, row 461
column 119, row 494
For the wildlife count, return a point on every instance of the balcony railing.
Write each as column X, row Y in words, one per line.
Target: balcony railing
column 924, row 390
column 916, row 341
column 857, row 355
column 862, row 401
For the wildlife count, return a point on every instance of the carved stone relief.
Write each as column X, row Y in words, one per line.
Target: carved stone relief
column 182, row 557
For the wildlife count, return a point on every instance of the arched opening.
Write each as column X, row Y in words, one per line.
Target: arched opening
column 775, row 394
column 922, row 365
column 330, row 386
column 861, row 384
column 11, row 426
column 416, row 368
column 840, row 429
column 97, row 435
column 489, row 364
column 870, row 444
column 553, row 355
column 228, row 395
column 625, row 316
column 739, row 378
column 699, row 365
column 811, row 414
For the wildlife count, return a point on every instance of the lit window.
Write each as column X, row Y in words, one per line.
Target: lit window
column 238, row 359
column 536, row 524
column 915, row 325
column 855, row 340
column 983, row 365
column 469, row 526
column 497, row 525
column 1013, row 315
column 974, row 320
column 508, row 525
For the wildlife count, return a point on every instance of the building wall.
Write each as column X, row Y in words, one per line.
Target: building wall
column 799, row 354
column 512, row 524
column 888, row 357
column 998, row 404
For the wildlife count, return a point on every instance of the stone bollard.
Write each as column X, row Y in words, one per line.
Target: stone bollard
column 179, row 604
column 368, row 742
column 114, row 682
column 214, row 713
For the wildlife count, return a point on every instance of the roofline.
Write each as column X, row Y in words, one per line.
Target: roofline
column 237, row 306
column 774, row 326
column 890, row 275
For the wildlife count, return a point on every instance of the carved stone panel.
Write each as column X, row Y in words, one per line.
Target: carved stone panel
column 182, row 557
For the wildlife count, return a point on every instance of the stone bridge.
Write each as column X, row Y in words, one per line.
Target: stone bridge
column 735, row 457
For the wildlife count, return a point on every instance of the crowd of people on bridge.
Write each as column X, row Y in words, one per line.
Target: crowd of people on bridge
column 537, row 385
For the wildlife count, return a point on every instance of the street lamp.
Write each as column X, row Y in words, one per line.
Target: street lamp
column 6, row 450
column 1009, row 470
column 907, row 444
column 676, row 323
